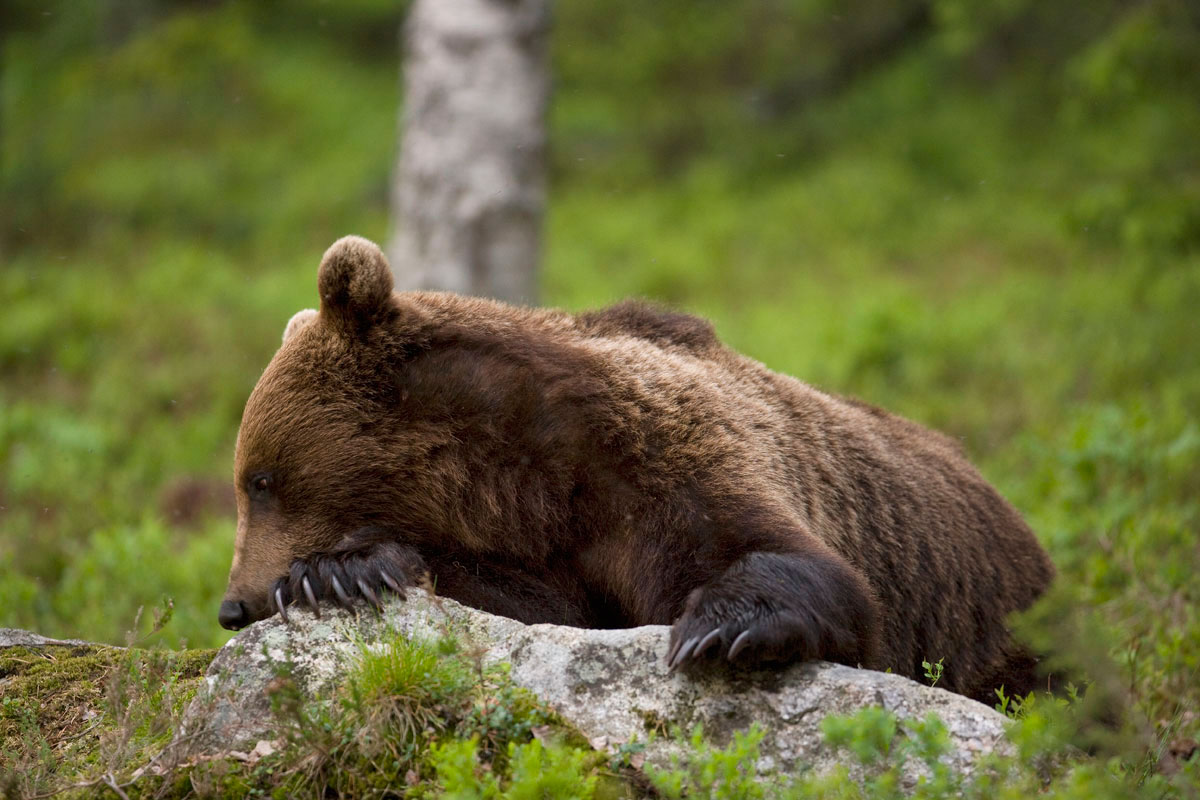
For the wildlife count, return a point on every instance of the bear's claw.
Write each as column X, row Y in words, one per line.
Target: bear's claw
column 739, row 644
column 280, row 604
column 372, row 598
column 338, row 589
column 306, row 584
column 694, row 636
column 775, row 607
column 392, row 584
column 707, row 641
column 362, row 569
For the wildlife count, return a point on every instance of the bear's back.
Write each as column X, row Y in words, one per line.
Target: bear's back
column 948, row 557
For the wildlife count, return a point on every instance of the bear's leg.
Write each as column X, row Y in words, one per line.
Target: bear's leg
column 1019, row 674
column 779, row 607
column 372, row 561
column 513, row 591
column 366, row 564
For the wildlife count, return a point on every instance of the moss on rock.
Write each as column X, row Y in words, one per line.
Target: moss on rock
column 69, row 711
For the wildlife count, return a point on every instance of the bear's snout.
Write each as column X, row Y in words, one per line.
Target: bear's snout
column 232, row 615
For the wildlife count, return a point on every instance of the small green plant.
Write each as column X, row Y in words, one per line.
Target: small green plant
column 1014, row 706
column 535, row 771
column 628, row 754
column 868, row 734
column 1003, row 702
column 933, row 671
column 883, row 746
column 713, row 773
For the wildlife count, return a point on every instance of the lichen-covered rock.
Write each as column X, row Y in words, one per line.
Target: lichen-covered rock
column 233, row 710
column 613, row 685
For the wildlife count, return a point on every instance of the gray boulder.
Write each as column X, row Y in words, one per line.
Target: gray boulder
column 612, row 685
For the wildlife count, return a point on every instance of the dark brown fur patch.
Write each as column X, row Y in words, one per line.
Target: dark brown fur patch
column 616, row 468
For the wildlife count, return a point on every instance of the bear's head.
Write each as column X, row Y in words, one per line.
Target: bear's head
column 439, row 422
column 310, row 464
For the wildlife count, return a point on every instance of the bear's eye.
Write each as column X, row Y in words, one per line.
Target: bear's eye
column 259, row 485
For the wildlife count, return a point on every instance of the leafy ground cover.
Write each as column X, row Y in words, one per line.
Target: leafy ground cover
column 991, row 226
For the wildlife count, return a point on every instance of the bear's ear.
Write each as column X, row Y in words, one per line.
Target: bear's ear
column 355, row 283
column 298, row 321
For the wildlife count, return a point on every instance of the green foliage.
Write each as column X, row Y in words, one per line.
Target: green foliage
column 982, row 215
column 882, row 746
column 713, row 773
column 421, row 714
column 71, row 716
column 879, row 742
column 412, row 669
column 868, row 734
column 537, row 771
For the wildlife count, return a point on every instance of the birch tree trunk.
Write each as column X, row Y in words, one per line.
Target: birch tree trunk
column 469, row 191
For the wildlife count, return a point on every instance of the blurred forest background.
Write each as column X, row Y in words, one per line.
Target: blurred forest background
column 982, row 215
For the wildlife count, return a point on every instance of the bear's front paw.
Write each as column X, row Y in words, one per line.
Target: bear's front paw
column 776, row 607
column 349, row 575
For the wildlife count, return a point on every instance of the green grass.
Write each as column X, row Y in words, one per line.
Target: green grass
column 72, row 714
column 993, row 233
column 419, row 714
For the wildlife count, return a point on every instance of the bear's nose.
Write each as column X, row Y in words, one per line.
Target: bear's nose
column 232, row 615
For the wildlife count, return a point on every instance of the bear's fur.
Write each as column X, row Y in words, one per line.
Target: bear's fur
column 609, row 469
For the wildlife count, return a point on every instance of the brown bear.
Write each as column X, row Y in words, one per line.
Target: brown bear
column 609, row 469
